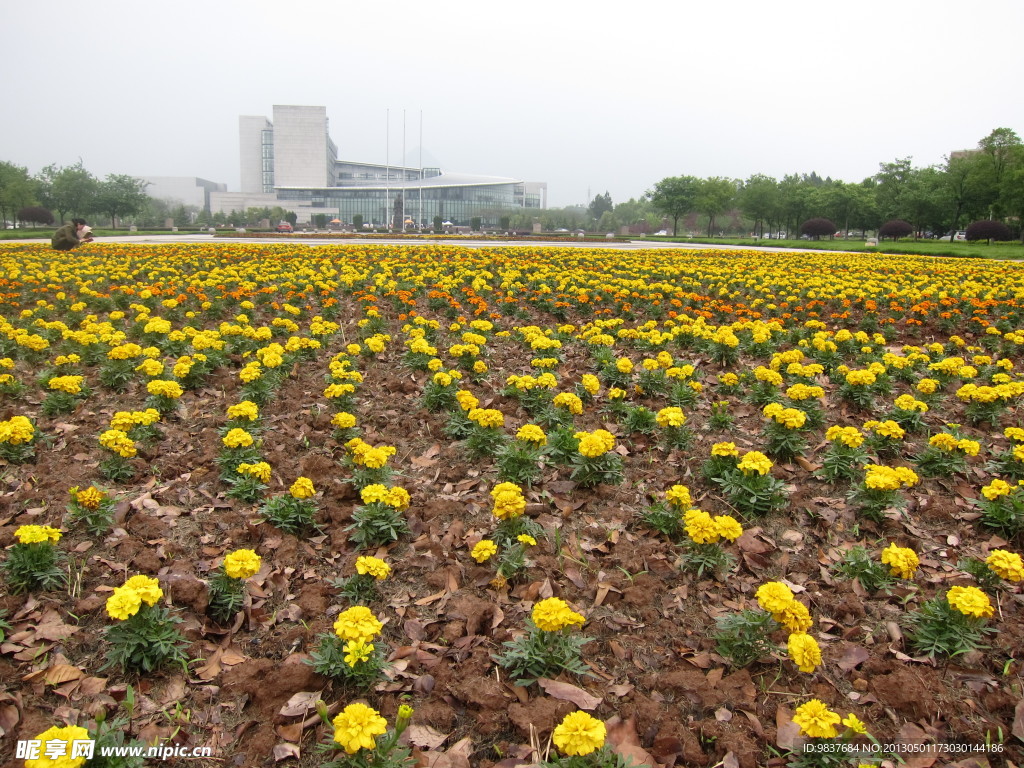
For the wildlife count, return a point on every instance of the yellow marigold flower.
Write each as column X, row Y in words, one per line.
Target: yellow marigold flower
column 526, row 539
column 804, row 651
column 848, row 436
column 37, row 534
column 343, row 420
column 881, row 478
column 484, row 550
column 755, row 461
column 260, row 470
column 969, row 447
column 377, row 457
column 816, row 720
column 242, row 563
column 357, row 652
column 302, row 488
column 375, row 492
column 616, row 393
column 591, row 384
column 927, row 386
column 679, row 496
column 244, row 410
column 531, row 433
column 970, row 601
column 90, row 498
column 569, row 402
column 996, row 488
column 338, row 390
column 553, row 614
column 398, row 498
column 66, row 736
column 374, row 566
column 729, row 379
column 671, row 417
column 854, row 723
column 123, row 603
column 700, row 527
column 860, row 378
column 147, row 588
column 902, row 561
column 357, row 623
column 509, row 501
column 237, row 438
column 1014, row 433
column 592, row 444
column 71, row 385
column 150, row 367
column 724, row 449
column 579, row 734
column 773, row 596
column 728, row 527
column 357, row 726
column 488, row 418
column 1006, row 565
column 624, row 365
column 467, row 400
column 164, row 388
column 118, row 442
column 944, row 441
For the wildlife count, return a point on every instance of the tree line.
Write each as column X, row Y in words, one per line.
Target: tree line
column 57, row 193
column 986, row 183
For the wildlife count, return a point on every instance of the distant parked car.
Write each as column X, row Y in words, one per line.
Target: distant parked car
column 284, row 226
column 960, row 234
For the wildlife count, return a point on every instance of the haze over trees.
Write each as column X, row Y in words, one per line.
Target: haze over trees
column 984, row 184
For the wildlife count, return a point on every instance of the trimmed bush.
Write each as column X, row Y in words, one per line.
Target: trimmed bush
column 988, row 230
column 818, row 228
column 895, row 228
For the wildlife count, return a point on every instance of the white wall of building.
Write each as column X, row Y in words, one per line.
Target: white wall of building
column 250, row 144
column 301, row 147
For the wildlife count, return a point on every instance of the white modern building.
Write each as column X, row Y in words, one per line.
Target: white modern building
column 292, row 162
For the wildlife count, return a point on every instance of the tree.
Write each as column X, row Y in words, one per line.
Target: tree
column 599, row 206
column 15, row 190
column 674, row 196
column 474, row 223
column 320, row 220
column 35, row 214
column 962, row 179
column 794, row 200
column 892, row 179
column 998, row 150
column 714, row 196
column 895, row 228
column 758, row 198
column 818, row 228
column 925, row 199
column 988, row 230
column 120, row 195
column 67, row 190
column 291, row 217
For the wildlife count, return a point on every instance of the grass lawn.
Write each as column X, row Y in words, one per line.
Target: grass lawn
column 978, row 250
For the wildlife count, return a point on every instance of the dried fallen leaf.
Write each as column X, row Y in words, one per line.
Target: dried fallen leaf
column 853, row 656
column 300, row 704
column 569, row 692
column 425, row 736
column 286, row 751
column 786, row 731
column 622, row 735
column 1018, row 720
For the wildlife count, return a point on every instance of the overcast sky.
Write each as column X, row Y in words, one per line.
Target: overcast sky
column 588, row 96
